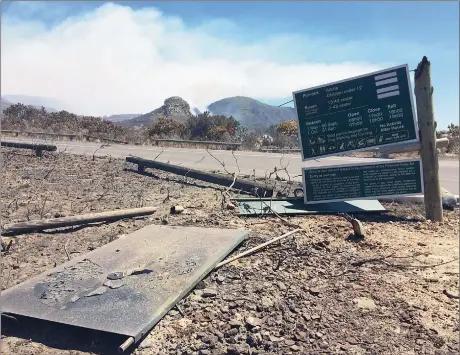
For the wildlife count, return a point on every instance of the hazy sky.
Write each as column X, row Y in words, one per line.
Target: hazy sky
column 127, row 57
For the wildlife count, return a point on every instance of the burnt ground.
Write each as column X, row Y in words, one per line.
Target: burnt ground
column 320, row 292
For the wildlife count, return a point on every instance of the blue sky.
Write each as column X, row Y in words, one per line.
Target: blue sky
column 135, row 54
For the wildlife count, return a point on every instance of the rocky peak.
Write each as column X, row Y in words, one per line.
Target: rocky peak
column 175, row 106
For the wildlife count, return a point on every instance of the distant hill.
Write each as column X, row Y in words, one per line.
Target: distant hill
column 35, row 101
column 121, row 117
column 5, row 104
column 252, row 113
column 174, row 107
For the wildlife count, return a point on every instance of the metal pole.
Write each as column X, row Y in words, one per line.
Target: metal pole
column 428, row 151
column 122, row 348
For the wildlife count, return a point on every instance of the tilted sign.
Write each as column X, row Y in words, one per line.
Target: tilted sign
column 372, row 110
column 362, row 181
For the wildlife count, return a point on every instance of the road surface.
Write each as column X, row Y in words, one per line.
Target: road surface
column 247, row 162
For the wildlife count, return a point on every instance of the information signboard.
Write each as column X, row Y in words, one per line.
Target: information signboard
column 371, row 110
column 362, row 181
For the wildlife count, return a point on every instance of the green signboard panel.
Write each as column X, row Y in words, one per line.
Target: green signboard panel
column 362, row 181
column 372, row 110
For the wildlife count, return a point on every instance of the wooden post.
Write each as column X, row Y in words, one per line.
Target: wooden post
column 428, row 151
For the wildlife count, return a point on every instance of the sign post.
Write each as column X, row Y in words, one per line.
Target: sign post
column 363, row 113
column 368, row 111
column 428, row 152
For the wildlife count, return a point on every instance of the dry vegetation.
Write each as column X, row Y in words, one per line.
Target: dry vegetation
column 24, row 118
column 319, row 292
column 203, row 127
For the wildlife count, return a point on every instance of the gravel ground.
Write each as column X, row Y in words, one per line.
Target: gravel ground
column 320, row 292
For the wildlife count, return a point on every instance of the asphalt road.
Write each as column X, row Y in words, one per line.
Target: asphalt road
column 246, row 162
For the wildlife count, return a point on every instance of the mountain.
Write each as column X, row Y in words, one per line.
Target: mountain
column 5, row 104
column 121, row 117
column 174, row 107
column 252, row 113
column 35, row 101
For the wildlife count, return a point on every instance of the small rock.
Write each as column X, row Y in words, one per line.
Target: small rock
column 209, row 292
column 230, row 206
column 315, row 316
column 419, row 341
column 235, row 323
column 289, row 342
column 315, row 291
column 201, row 285
column 324, row 345
column 113, row 283
column 147, row 343
column 432, row 279
column 173, row 312
column 255, row 329
column 253, row 321
column 200, row 335
column 267, row 302
column 300, row 336
column 220, row 279
column 352, row 341
column 281, row 286
column 318, row 335
column 449, row 201
column 365, row 303
column 254, row 339
column 275, row 339
column 117, row 275
column 211, row 340
column 236, row 350
column 295, row 348
column 98, row 291
column 218, row 334
column 177, row 209
column 59, row 215
column 74, row 298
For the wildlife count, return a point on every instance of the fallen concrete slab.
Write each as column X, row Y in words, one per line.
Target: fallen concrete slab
column 125, row 287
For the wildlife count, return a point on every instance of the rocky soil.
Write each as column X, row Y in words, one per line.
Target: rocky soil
column 321, row 292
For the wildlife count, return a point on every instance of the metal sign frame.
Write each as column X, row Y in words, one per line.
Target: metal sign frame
column 414, row 113
column 158, row 266
column 360, row 197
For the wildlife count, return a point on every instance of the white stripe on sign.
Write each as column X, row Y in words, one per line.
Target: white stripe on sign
column 387, row 81
column 385, row 76
column 387, row 88
column 388, row 94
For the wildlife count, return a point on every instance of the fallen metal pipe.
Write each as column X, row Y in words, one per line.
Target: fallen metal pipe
column 122, row 348
column 48, row 147
column 39, row 148
column 39, row 225
column 251, row 187
column 252, row 250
